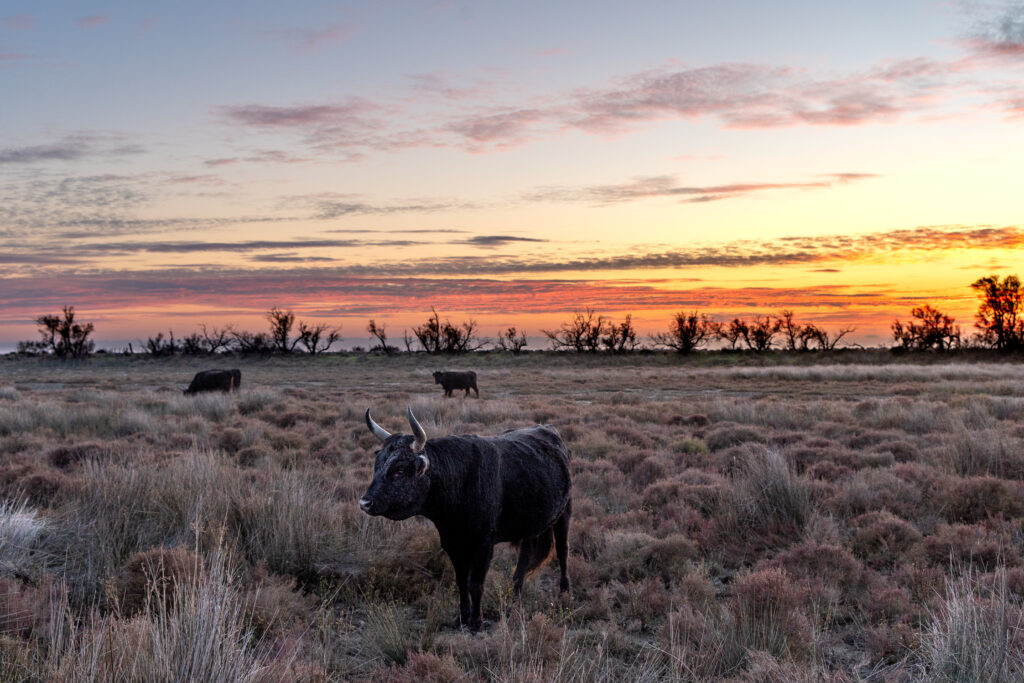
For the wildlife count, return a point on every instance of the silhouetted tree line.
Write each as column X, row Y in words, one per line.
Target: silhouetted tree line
column 999, row 321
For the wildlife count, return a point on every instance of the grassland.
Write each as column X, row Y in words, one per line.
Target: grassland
column 854, row 517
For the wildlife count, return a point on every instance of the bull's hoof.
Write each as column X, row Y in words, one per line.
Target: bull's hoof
column 563, row 585
column 479, row 625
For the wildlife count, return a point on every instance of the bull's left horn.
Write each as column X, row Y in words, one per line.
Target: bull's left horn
column 417, row 431
column 377, row 430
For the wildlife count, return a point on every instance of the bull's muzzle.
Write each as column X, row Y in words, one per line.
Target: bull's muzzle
column 366, row 505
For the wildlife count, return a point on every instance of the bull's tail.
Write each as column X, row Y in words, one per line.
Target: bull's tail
column 538, row 551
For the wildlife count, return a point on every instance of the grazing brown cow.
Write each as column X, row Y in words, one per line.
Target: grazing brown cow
column 215, row 380
column 456, row 380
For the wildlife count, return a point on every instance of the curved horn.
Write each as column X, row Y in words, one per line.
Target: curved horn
column 417, row 431
column 377, row 430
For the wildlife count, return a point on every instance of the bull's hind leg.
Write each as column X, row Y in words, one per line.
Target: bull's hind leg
column 562, row 545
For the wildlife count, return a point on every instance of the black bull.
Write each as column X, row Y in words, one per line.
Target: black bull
column 478, row 491
column 215, row 380
column 452, row 380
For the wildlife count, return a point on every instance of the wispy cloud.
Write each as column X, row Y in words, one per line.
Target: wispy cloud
column 667, row 186
column 1001, row 33
column 70, row 148
column 91, row 21
column 329, row 209
column 738, row 95
column 492, row 241
column 821, row 251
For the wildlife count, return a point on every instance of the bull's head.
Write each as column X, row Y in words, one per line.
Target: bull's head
column 400, row 485
column 437, row 377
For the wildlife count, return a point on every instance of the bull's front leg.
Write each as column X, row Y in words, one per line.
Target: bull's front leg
column 477, row 574
column 462, row 582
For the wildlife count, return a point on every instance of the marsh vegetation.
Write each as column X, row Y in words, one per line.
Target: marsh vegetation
column 800, row 518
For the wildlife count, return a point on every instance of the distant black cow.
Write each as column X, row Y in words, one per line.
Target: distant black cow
column 456, row 380
column 215, row 380
column 478, row 491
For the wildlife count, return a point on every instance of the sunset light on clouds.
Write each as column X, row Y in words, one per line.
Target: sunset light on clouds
column 164, row 165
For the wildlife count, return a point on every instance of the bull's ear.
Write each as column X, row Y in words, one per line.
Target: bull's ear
column 422, row 464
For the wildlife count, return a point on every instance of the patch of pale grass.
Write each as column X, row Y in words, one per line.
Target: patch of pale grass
column 882, row 373
column 914, row 417
column 207, row 635
column 972, row 453
column 974, row 637
column 9, row 393
column 766, row 495
column 294, row 526
column 20, row 527
column 254, row 400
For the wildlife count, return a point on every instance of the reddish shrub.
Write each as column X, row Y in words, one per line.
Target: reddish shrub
column 964, row 545
column 151, row 578
column 870, row 490
column 766, row 614
column 65, row 457
column 976, row 498
column 727, row 434
column 828, row 471
column 422, row 667
column 828, row 575
column 19, row 605
column 890, row 643
column 881, row 538
column 647, row 471
column 886, row 604
column 695, row 420
column 230, row 440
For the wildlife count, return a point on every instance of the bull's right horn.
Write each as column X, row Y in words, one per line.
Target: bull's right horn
column 417, row 432
column 377, row 430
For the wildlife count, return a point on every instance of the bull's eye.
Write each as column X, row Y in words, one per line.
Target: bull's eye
column 395, row 474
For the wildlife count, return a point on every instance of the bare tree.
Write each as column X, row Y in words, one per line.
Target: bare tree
column 216, row 339
column 620, row 338
column 512, row 340
column 760, row 333
column 281, row 324
column 193, row 345
column 732, row 331
column 429, row 333
column 381, row 335
column 444, row 337
column 819, row 336
column 249, row 342
column 582, row 333
column 999, row 317
column 158, row 346
column 687, row 332
column 61, row 336
column 408, row 340
column 317, row 338
column 934, row 330
column 792, row 331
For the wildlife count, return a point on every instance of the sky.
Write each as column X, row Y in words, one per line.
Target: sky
column 166, row 165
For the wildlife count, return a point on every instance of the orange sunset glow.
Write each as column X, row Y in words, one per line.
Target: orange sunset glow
column 509, row 163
